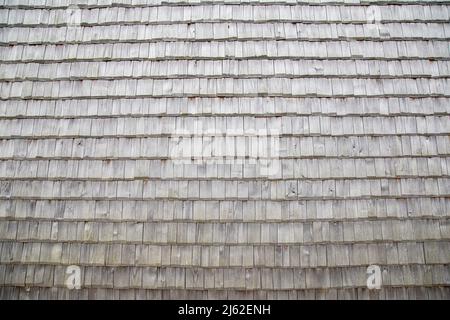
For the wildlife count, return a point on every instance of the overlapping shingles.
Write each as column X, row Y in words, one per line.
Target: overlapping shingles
column 323, row 168
column 223, row 13
column 89, row 114
column 219, row 50
column 205, row 32
column 218, row 69
column 150, row 3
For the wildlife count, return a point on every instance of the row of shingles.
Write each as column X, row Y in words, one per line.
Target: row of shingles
column 225, row 278
column 304, row 169
column 229, row 106
column 118, row 255
column 200, row 32
column 199, row 257
column 224, row 13
column 333, row 213
column 219, row 50
column 225, row 68
column 310, row 87
column 392, row 253
column 391, row 293
column 292, row 190
column 171, row 128
column 293, row 150
column 149, row 3
column 126, row 277
column 213, row 87
column 202, row 232
column 288, row 190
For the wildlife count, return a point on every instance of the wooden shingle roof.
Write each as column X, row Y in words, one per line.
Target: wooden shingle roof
column 96, row 95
